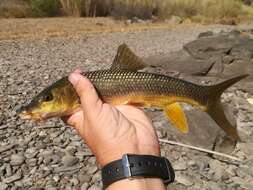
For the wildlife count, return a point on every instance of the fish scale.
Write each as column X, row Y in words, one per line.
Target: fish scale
column 121, row 83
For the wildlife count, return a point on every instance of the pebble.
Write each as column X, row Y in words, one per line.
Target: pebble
column 96, row 177
column 217, row 169
column 84, row 186
column 17, row 160
column 46, row 153
column 184, row 179
column 84, row 152
column 76, row 143
column 66, row 169
column 250, row 100
column 248, row 186
column 180, row 165
column 213, row 186
column 71, row 150
column 56, row 178
column 192, row 163
column 94, row 187
column 84, row 178
column 50, row 188
column 31, row 152
column 36, row 188
column 33, row 170
column 41, row 145
column 13, row 178
column 26, row 181
column 3, row 186
column 74, row 181
column 7, row 147
column 55, row 159
column 32, row 162
column 247, row 148
column 92, row 169
column 69, row 160
column 8, row 170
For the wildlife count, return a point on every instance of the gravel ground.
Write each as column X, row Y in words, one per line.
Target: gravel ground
column 51, row 156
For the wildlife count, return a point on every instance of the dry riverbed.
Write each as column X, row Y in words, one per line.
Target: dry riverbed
column 51, row 156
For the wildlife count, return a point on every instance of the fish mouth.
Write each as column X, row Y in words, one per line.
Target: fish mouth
column 25, row 115
column 38, row 117
column 30, row 116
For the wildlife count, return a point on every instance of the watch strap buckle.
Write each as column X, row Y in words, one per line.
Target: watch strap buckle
column 170, row 172
column 126, row 166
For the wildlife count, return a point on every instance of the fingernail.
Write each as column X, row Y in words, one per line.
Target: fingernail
column 74, row 78
column 78, row 71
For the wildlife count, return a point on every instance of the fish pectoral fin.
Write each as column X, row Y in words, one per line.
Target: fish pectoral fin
column 127, row 60
column 176, row 116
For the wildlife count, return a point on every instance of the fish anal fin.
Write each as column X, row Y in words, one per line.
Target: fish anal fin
column 176, row 116
column 127, row 60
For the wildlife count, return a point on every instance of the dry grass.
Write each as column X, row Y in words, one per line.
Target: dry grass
column 206, row 9
column 146, row 9
column 42, row 28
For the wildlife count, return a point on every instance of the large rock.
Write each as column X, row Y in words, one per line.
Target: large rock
column 231, row 53
column 220, row 44
column 206, row 47
column 179, row 61
column 226, row 54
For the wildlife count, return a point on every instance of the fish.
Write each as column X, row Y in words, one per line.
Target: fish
column 124, row 83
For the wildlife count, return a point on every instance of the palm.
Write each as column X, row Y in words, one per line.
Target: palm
column 114, row 127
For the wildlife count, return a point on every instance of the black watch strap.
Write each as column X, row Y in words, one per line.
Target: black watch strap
column 131, row 166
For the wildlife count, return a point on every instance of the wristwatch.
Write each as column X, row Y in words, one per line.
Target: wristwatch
column 131, row 166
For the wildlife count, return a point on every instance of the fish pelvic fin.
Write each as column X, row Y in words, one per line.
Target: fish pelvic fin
column 215, row 109
column 176, row 116
column 125, row 59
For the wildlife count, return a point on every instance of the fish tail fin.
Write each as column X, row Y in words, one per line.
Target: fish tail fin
column 215, row 109
column 217, row 114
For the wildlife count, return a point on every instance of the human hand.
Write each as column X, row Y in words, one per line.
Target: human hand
column 111, row 131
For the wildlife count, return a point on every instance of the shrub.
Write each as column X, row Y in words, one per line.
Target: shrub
column 13, row 8
column 71, row 7
column 183, row 8
column 218, row 9
column 44, row 8
column 133, row 8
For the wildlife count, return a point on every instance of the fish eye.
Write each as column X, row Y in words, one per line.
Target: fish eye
column 48, row 97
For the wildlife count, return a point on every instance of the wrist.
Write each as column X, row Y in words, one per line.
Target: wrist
column 135, row 167
column 116, row 154
column 138, row 183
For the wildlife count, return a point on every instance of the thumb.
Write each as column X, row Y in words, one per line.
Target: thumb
column 90, row 101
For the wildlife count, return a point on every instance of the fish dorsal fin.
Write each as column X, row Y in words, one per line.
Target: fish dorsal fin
column 127, row 60
column 176, row 115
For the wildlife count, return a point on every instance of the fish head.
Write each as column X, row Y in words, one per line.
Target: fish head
column 59, row 99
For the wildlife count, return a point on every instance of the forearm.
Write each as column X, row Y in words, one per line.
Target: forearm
column 138, row 184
